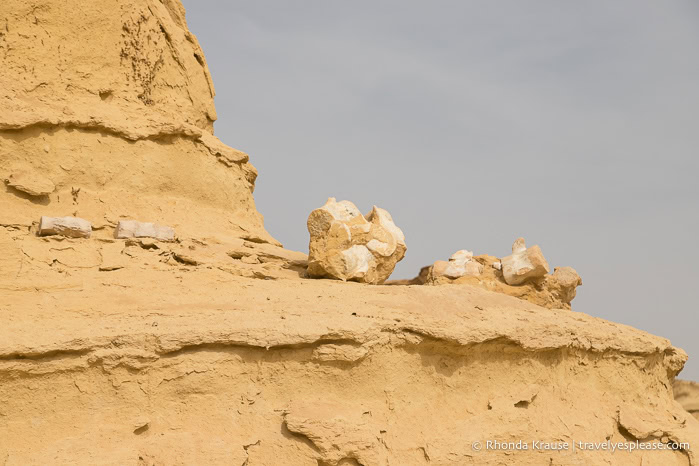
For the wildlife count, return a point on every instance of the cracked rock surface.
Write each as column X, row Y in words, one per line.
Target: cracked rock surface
column 213, row 347
column 158, row 361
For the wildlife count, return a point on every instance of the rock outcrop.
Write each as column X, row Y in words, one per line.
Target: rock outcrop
column 347, row 246
column 215, row 348
column 107, row 114
column 524, row 275
column 687, row 394
column 182, row 364
column 30, row 183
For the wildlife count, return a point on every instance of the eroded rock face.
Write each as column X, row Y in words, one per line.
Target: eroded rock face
column 345, row 245
column 115, row 120
column 213, row 350
column 30, row 183
column 339, row 432
column 563, row 283
column 687, row 394
column 133, row 365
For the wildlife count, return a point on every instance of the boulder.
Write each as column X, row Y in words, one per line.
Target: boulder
column 71, row 227
column 133, row 229
column 563, row 282
column 460, row 264
column 524, row 264
column 346, row 245
column 30, row 183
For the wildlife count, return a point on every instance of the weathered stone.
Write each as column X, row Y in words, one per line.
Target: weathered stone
column 524, row 264
column 71, row 227
column 10, row 256
column 133, row 229
column 126, row 92
column 348, row 246
column 31, row 183
column 460, row 264
column 563, row 282
column 687, row 395
column 554, row 291
column 251, row 259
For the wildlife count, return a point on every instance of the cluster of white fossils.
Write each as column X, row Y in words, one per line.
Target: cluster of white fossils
column 36, row 185
column 346, row 245
column 74, row 227
column 523, row 265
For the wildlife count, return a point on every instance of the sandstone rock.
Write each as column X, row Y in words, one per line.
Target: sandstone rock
column 340, row 435
column 169, row 365
column 563, row 283
column 120, row 103
column 251, row 259
column 113, row 257
column 552, row 291
column 687, row 394
column 71, row 227
column 524, row 264
column 347, row 246
column 460, row 264
column 133, row 229
column 10, row 256
column 31, row 183
column 308, row 372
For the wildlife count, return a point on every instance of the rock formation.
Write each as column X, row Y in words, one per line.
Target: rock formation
column 30, row 183
column 214, row 348
column 687, row 394
column 107, row 114
column 182, row 364
column 524, row 275
column 347, row 246
column 525, row 264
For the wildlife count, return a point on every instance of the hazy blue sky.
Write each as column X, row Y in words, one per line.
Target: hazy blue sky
column 573, row 124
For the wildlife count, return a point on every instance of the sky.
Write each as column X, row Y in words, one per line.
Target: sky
column 572, row 124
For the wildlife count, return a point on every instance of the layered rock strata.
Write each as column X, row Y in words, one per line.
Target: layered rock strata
column 184, row 364
column 107, row 114
column 213, row 348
